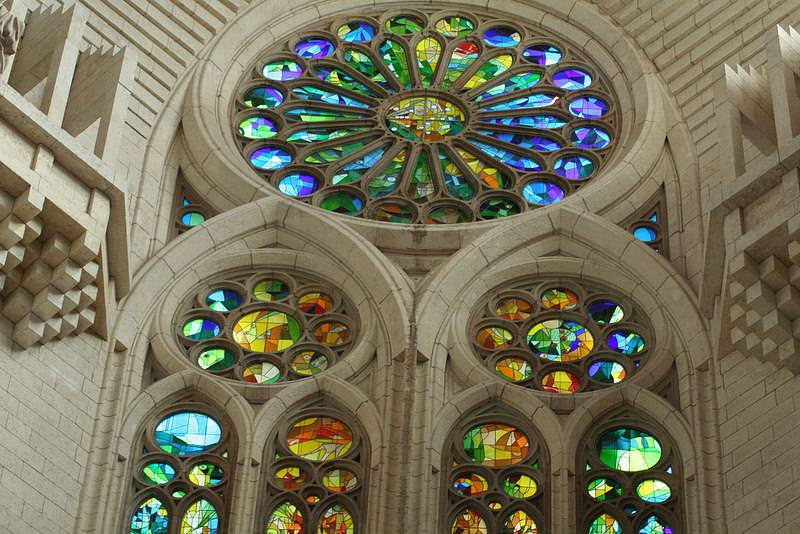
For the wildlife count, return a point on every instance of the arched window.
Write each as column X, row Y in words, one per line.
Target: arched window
column 183, row 472
column 494, row 476
column 315, row 475
column 629, row 479
column 428, row 117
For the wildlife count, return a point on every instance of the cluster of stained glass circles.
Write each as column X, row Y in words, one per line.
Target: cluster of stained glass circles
column 265, row 328
column 425, row 118
column 559, row 337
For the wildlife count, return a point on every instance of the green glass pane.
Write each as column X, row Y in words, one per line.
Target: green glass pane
column 313, row 136
column 515, row 83
column 215, row 359
column 354, row 171
column 454, row 180
column 205, row 474
column 520, row 521
column 257, row 128
column 604, row 524
column 627, row 449
column 604, row 489
column 421, row 188
column 309, row 362
column 520, row 486
column 200, row 518
column 394, row 55
column 158, row 473
column 454, row 26
column 192, row 218
column 429, row 51
column 364, row 64
column 463, row 56
column 340, row 78
column 386, row 181
column 271, row 290
column 653, row 491
column 344, row 203
column 334, row 153
column 490, row 69
column 321, row 115
column 496, row 208
column 200, row 329
column 405, row 24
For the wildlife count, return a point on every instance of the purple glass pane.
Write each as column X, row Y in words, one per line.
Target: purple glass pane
column 574, row 168
column 298, row 185
column 314, row 48
column 588, row 107
column 592, row 138
column 543, row 54
column 540, row 192
column 572, row 79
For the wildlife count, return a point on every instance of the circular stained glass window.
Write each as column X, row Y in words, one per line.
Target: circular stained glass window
column 263, row 328
column 559, row 336
column 426, row 117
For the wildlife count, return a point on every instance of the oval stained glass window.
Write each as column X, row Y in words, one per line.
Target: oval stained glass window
column 469, row 522
column 520, row 486
column 215, row 359
column 224, row 300
column 151, row 517
column 205, row 474
column 471, row 485
column 200, row 518
column 626, row 342
column 285, row 519
column 559, row 299
column 416, row 78
column 629, row 450
column 561, row 382
column 494, row 338
column 199, row 329
column 339, row 480
column 187, row 433
column 514, row 309
column 653, row 490
column 309, row 362
column 607, row 371
column 514, row 369
column 158, row 473
column 262, row 373
column 336, row 520
column 496, row 444
column 606, row 312
column 319, row 438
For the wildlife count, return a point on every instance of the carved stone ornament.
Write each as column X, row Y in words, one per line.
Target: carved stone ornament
column 10, row 34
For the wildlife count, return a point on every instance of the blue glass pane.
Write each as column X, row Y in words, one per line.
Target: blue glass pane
column 531, row 121
column 574, row 168
column 626, row 342
column 320, row 95
column 592, row 138
column 645, row 234
column 263, row 97
column 187, row 433
column 532, row 143
column 150, row 518
column 588, row 107
column 509, row 158
column 532, row 101
column 502, row 36
column 314, row 48
column 540, row 192
column 298, row 185
column 543, row 54
column 356, row 32
column 270, row 158
column 572, row 79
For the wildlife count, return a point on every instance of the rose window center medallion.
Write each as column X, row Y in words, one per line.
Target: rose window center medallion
column 425, row 119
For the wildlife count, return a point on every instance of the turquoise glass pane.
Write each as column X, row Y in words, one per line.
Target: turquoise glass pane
column 187, row 433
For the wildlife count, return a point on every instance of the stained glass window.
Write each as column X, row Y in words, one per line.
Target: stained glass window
column 315, row 476
column 560, row 336
column 182, row 474
column 494, row 476
column 425, row 117
column 630, row 480
column 266, row 327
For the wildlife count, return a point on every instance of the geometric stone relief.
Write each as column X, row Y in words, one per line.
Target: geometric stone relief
column 765, row 308
column 48, row 282
column 63, row 222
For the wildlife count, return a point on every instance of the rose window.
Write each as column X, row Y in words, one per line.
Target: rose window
column 266, row 327
column 425, row 118
column 561, row 337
